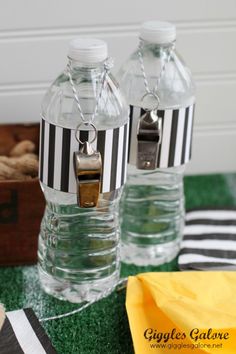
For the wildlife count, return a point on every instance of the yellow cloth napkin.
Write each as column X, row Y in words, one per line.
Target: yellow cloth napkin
column 182, row 312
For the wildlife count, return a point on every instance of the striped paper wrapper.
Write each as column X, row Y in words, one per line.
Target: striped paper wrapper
column 58, row 144
column 176, row 142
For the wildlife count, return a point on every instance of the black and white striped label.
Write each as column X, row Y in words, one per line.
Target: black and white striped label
column 57, row 146
column 22, row 334
column 176, row 142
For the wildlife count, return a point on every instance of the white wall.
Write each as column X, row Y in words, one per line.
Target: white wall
column 34, row 35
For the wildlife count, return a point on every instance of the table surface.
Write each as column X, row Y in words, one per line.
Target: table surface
column 102, row 327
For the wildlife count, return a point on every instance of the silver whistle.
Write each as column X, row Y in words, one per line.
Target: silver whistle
column 149, row 137
column 88, row 171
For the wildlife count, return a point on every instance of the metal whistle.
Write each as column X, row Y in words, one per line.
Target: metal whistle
column 149, row 137
column 88, row 171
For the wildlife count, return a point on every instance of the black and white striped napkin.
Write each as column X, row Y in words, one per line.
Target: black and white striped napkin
column 22, row 333
column 209, row 241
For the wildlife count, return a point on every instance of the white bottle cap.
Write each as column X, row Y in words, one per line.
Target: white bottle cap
column 159, row 32
column 88, row 50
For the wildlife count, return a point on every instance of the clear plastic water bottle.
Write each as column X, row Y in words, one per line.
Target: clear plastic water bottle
column 78, row 250
column 158, row 86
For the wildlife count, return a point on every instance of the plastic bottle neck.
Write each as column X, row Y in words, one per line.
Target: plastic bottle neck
column 76, row 64
column 146, row 45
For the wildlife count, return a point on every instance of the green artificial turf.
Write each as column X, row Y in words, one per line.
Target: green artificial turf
column 103, row 327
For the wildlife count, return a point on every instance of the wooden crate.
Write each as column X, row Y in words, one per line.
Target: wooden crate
column 21, row 204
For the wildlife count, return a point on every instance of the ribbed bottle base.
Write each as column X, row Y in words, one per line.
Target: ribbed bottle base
column 154, row 255
column 76, row 292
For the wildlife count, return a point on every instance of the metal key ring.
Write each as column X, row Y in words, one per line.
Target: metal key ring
column 77, row 130
column 153, row 95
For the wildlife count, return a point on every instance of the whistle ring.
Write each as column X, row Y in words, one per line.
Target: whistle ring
column 77, row 130
column 153, row 95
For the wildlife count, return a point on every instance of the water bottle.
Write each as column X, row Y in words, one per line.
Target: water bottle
column 160, row 91
column 83, row 154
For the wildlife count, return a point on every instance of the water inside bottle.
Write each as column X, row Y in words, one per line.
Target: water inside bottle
column 78, row 253
column 152, row 216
